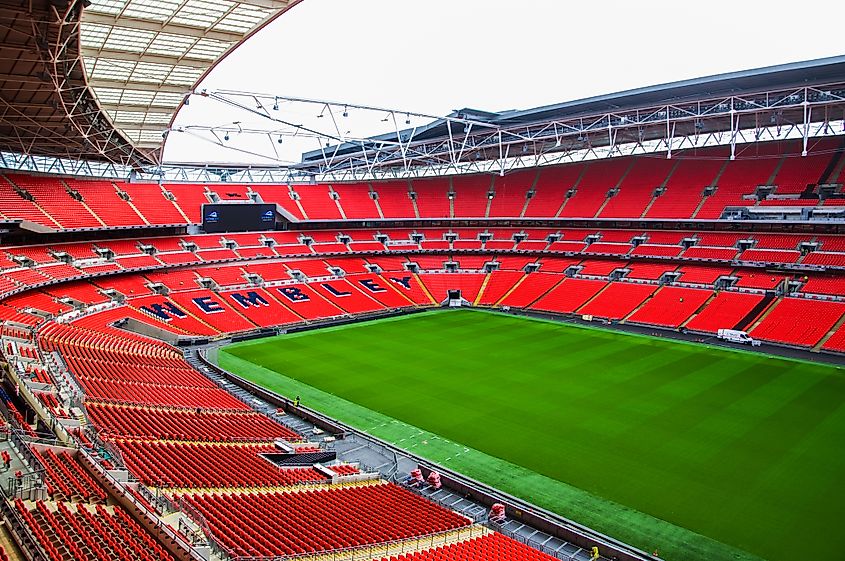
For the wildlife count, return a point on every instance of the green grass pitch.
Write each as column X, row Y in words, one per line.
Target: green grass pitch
column 703, row 453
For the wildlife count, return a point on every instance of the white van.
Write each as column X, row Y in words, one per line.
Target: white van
column 734, row 336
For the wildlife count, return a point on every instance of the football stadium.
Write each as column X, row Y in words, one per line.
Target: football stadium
column 612, row 327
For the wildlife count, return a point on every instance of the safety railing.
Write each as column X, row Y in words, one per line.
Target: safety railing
column 20, row 531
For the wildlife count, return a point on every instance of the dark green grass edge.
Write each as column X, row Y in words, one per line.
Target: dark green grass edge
column 626, row 524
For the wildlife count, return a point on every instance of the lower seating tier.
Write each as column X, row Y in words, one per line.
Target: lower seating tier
column 83, row 533
column 186, row 424
column 262, row 524
column 491, row 547
column 183, row 465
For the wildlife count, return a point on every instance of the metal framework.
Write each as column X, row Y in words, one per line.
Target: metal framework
column 47, row 108
column 472, row 142
column 143, row 56
column 100, row 80
column 51, row 122
column 474, row 146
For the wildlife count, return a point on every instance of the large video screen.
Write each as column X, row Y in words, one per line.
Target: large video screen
column 238, row 217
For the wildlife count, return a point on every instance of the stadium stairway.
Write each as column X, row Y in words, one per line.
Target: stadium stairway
column 829, row 334
column 574, row 189
column 336, row 200
column 661, row 186
column 594, row 296
column 698, row 311
column 615, row 187
column 481, row 289
column 715, row 182
column 133, row 207
column 376, row 202
column 17, row 464
column 771, row 179
column 527, row 200
column 425, row 289
column 748, row 322
column 643, row 303
column 544, row 292
column 510, row 290
column 834, row 165
column 416, row 209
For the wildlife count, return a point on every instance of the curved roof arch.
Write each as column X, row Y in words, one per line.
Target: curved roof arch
column 142, row 57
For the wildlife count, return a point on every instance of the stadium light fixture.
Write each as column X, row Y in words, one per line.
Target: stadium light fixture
column 407, row 118
column 345, row 111
column 275, row 104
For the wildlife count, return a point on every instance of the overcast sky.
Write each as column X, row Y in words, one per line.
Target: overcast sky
column 438, row 55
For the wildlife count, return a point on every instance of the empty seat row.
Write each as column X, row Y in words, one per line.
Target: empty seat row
column 186, row 424
column 289, row 523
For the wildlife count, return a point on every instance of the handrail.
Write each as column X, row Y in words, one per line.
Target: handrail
column 16, row 525
column 157, row 521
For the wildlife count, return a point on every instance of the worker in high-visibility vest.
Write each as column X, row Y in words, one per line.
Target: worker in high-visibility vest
column 595, row 554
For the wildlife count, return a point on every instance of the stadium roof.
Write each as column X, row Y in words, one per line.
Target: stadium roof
column 142, row 56
column 102, row 83
column 785, row 79
column 783, row 76
column 101, row 79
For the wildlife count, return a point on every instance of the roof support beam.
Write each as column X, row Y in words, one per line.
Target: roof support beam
column 267, row 4
column 146, row 57
column 172, row 28
column 24, row 79
column 140, row 86
column 146, row 107
column 136, row 126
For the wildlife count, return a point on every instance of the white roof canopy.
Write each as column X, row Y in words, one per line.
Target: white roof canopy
column 142, row 56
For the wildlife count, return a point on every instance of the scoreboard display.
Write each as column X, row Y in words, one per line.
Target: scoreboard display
column 238, row 217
